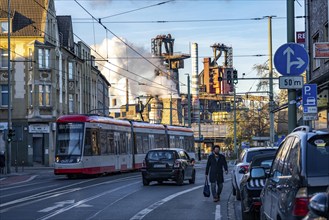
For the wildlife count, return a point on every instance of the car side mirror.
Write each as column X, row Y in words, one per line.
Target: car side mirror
column 319, row 204
column 257, row 172
column 192, row 161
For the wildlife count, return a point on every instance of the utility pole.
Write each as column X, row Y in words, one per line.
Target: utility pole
column 8, row 159
column 292, row 110
column 270, row 65
column 188, row 100
column 234, row 128
column 127, row 95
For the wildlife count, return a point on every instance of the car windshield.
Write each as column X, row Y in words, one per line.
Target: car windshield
column 160, row 155
column 251, row 154
column 318, row 156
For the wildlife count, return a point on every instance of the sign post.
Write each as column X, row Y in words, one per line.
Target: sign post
column 291, row 60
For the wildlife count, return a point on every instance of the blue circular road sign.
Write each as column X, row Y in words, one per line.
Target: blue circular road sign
column 291, row 59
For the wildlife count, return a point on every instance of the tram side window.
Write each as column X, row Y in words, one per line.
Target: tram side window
column 123, row 143
column 94, row 143
column 110, row 142
column 159, row 141
column 172, row 142
column 145, row 144
column 117, row 142
column 88, row 150
column 182, row 143
column 102, row 143
column 177, row 142
column 139, row 144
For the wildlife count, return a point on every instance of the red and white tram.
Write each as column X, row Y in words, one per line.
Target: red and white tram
column 91, row 144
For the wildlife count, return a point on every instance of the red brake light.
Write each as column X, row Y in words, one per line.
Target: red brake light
column 301, row 207
column 245, row 167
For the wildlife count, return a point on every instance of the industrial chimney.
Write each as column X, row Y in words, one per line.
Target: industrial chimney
column 195, row 83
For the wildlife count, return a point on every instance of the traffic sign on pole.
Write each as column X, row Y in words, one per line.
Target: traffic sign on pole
column 309, row 97
column 291, row 59
column 291, row 82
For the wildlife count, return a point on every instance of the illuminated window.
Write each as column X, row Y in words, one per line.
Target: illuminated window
column 44, row 95
column 71, row 103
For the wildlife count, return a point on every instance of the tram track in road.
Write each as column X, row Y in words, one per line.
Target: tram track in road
column 28, row 200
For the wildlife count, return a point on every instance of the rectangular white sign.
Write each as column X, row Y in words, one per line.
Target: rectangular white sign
column 291, row 82
column 310, row 116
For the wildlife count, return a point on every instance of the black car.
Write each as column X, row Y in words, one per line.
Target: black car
column 300, row 170
column 252, row 184
column 168, row 164
column 319, row 207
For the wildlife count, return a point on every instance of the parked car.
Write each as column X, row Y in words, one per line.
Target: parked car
column 165, row 164
column 319, row 207
column 252, row 184
column 242, row 165
column 300, row 169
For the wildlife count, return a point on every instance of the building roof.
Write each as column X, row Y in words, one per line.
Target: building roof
column 65, row 29
column 28, row 16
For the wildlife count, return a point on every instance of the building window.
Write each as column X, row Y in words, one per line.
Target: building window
column 4, row 95
column 71, row 103
column 4, row 27
column 44, row 95
column 316, row 62
column 70, row 70
column 3, row 58
column 44, row 58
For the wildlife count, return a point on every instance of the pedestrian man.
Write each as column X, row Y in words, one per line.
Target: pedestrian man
column 215, row 165
column 2, row 162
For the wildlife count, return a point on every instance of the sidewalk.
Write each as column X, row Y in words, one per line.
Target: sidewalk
column 22, row 175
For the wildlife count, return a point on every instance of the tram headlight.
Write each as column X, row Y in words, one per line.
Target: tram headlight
column 78, row 160
column 57, row 159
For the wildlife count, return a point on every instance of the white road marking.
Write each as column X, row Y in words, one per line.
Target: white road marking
column 57, row 205
column 29, row 179
column 140, row 215
column 218, row 216
column 57, row 212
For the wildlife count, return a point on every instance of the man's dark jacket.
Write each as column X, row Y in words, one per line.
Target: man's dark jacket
column 216, row 168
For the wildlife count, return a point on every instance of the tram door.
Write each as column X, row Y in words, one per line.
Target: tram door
column 130, row 151
column 117, row 150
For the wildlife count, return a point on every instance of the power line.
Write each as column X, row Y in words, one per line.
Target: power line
column 161, row 3
column 100, row 22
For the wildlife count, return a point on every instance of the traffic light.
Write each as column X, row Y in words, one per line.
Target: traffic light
column 229, row 77
column 235, row 76
column 11, row 134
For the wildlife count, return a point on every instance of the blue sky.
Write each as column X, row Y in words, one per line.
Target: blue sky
column 248, row 37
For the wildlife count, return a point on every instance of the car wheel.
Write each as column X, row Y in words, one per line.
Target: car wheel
column 146, row 182
column 180, row 179
column 233, row 190
column 192, row 181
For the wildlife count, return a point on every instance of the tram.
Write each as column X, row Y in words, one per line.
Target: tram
column 92, row 144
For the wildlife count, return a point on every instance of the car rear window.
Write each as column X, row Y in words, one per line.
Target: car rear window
column 251, row 154
column 160, row 155
column 318, row 156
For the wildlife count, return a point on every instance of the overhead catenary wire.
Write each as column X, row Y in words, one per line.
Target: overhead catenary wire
column 133, row 49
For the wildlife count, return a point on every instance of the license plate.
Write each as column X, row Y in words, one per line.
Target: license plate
column 159, row 166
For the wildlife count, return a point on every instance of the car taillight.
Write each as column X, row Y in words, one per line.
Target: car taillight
column 177, row 164
column 245, row 168
column 301, row 203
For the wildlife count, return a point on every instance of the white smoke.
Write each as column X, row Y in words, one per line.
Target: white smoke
column 121, row 58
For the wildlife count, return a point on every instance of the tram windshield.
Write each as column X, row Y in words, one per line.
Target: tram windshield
column 69, row 138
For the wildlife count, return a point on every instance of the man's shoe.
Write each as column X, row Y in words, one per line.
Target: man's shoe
column 215, row 199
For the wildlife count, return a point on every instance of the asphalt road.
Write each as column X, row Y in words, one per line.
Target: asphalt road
column 118, row 196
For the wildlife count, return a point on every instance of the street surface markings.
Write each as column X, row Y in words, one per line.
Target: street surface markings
column 218, row 216
column 20, row 182
column 140, row 215
column 76, row 204
column 54, row 193
column 57, row 205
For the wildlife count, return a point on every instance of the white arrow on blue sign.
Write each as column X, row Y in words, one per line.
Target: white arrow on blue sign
column 291, row 59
